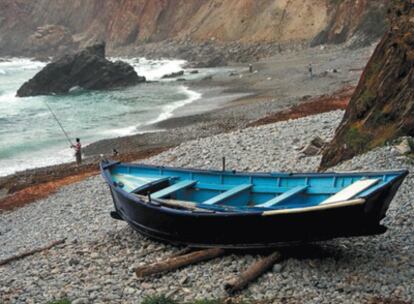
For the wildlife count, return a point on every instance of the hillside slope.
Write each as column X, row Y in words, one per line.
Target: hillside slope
column 50, row 26
column 382, row 106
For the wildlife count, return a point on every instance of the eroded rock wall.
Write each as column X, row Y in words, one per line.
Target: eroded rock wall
column 382, row 107
column 133, row 22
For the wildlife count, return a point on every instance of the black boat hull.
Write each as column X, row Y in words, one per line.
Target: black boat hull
column 252, row 230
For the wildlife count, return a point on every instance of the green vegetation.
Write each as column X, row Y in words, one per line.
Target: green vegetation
column 64, row 301
column 207, row 302
column 356, row 140
column 158, row 300
column 161, row 299
column 336, row 2
column 365, row 102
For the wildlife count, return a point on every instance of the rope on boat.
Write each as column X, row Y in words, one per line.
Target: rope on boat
column 58, row 122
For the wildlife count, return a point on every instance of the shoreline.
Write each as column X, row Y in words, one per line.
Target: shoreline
column 234, row 102
column 33, row 184
column 98, row 260
column 264, row 132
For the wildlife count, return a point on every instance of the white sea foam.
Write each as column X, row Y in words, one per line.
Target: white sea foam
column 3, row 72
column 34, row 127
column 21, row 64
column 121, row 131
column 36, row 160
column 155, row 69
column 168, row 110
column 8, row 97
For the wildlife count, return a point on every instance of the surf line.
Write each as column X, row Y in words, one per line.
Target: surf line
column 168, row 110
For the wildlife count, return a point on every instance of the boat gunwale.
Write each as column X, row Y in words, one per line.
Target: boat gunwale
column 105, row 171
column 260, row 174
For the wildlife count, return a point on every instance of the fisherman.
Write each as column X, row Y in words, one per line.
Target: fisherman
column 250, row 68
column 78, row 151
column 310, row 69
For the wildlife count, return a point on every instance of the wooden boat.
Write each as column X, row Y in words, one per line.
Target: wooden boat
column 204, row 208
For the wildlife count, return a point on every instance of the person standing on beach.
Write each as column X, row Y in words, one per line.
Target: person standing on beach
column 78, row 151
column 310, row 69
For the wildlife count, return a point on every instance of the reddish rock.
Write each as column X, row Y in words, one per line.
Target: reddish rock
column 382, row 107
column 130, row 23
column 51, row 38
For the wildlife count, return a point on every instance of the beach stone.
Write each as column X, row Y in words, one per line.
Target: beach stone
column 73, row 262
column 404, row 147
column 277, row 267
column 80, row 301
column 173, row 75
column 214, row 60
column 336, row 271
column 311, row 150
column 317, row 142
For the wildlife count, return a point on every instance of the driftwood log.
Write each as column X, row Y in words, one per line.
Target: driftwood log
column 183, row 251
column 251, row 273
column 178, row 262
column 31, row 252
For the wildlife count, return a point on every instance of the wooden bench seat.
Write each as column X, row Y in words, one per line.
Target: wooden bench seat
column 283, row 197
column 227, row 194
column 351, row 191
column 173, row 188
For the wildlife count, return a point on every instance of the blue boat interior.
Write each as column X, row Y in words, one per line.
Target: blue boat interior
column 261, row 191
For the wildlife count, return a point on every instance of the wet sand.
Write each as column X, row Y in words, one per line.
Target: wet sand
column 232, row 101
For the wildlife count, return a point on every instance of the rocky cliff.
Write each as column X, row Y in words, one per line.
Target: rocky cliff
column 357, row 23
column 382, row 107
column 55, row 26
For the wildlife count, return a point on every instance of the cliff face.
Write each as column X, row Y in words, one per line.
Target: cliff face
column 132, row 22
column 382, row 107
column 357, row 23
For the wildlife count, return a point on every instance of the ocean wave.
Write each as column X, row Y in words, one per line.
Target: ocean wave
column 21, row 64
column 154, row 69
column 3, row 72
column 121, row 131
column 36, row 160
column 167, row 111
column 8, row 97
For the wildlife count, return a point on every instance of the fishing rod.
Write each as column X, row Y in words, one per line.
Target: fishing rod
column 57, row 120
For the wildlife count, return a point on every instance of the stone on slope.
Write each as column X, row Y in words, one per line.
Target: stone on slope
column 88, row 69
column 404, row 145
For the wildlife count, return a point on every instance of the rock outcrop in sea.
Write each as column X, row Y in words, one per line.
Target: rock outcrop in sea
column 88, row 69
column 382, row 106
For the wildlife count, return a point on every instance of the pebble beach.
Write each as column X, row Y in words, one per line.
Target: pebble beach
column 96, row 263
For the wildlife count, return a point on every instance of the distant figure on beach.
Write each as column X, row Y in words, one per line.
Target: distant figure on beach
column 115, row 152
column 78, row 151
column 310, row 69
column 250, row 68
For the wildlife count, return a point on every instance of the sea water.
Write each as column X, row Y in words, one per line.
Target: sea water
column 30, row 136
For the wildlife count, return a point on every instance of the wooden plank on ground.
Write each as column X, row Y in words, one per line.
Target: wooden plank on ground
column 178, row 262
column 252, row 273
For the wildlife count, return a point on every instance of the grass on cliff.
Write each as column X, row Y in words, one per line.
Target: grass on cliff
column 160, row 299
column 356, row 140
column 64, row 301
